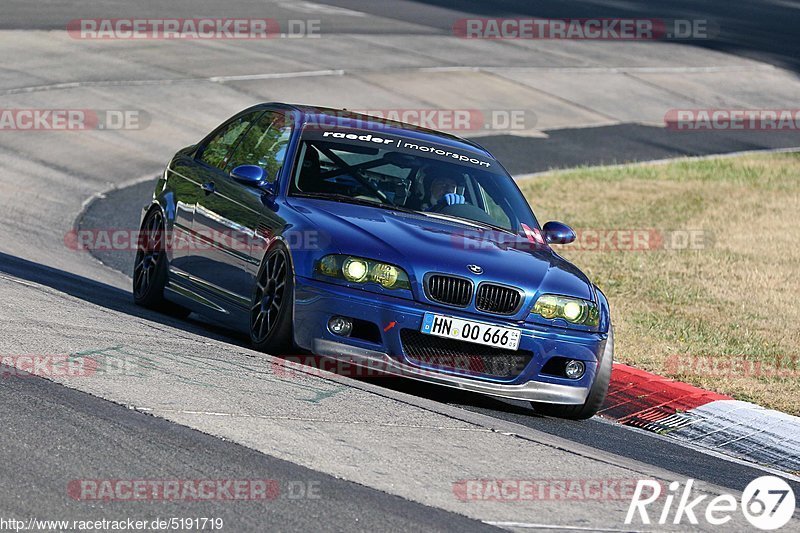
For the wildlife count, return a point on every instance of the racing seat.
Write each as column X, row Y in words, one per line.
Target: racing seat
column 310, row 172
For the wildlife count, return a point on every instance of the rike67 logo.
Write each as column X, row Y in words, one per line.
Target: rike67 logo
column 768, row 503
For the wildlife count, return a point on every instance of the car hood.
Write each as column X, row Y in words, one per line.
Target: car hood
column 421, row 244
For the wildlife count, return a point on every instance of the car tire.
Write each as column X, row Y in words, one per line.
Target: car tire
column 597, row 394
column 272, row 304
column 150, row 267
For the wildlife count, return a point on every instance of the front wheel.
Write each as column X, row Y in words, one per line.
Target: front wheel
column 272, row 304
column 597, row 394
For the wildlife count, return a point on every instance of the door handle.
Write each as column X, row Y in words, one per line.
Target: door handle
column 208, row 187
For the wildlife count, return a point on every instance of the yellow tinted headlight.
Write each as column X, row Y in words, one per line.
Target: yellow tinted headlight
column 573, row 310
column 355, row 269
column 360, row 270
column 386, row 275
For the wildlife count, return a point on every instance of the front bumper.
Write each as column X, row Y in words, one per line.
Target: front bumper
column 316, row 302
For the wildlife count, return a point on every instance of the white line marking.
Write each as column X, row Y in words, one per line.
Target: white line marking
column 15, row 280
column 281, row 75
column 171, row 81
column 529, row 525
column 319, row 9
column 276, row 76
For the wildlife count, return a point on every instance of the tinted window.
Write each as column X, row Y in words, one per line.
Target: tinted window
column 264, row 144
column 391, row 171
column 216, row 151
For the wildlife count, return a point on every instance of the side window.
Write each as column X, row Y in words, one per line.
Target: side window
column 217, row 149
column 264, row 144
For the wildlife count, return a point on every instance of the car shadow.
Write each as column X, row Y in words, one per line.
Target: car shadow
column 108, row 296
column 119, row 300
column 451, row 396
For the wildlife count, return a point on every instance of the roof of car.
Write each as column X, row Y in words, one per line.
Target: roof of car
column 343, row 118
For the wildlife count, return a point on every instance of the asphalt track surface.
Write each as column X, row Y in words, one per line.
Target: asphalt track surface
column 751, row 28
column 623, row 143
column 764, row 30
column 77, row 425
column 53, row 434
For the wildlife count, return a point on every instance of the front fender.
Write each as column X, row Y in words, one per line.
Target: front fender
column 605, row 310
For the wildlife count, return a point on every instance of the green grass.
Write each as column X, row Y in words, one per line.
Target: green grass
column 734, row 300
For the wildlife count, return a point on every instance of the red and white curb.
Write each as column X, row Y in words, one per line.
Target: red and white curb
column 703, row 419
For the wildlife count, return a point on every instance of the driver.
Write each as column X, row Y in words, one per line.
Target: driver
column 442, row 189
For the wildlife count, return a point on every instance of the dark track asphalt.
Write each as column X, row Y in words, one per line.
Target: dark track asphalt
column 99, row 439
column 763, row 30
column 624, row 143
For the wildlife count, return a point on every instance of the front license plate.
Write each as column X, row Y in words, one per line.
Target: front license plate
column 470, row 331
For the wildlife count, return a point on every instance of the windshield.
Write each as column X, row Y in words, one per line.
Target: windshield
column 407, row 174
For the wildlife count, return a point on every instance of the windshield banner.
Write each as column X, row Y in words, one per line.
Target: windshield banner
column 368, row 139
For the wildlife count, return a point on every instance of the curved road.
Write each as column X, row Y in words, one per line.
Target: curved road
column 366, row 455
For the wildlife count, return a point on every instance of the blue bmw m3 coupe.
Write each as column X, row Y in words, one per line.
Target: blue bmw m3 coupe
column 380, row 243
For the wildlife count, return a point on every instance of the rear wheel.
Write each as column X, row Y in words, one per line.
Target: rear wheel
column 597, row 394
column 272, row 304
column 150, row 267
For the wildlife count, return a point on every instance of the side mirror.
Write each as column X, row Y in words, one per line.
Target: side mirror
column 250, row 175
column 558, row 233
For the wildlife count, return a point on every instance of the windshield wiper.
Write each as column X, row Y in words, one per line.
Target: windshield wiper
column 394, row 207
column 358, row 201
